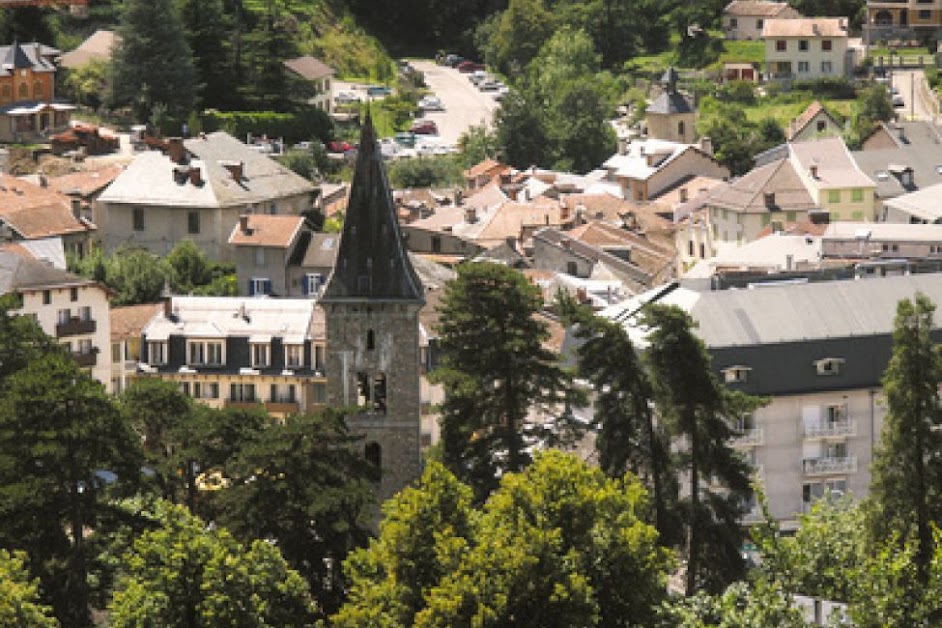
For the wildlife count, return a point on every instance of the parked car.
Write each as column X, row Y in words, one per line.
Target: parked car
column 345, row 98
column 898, row 100
column 490, row 85
column 377, row 90
column 431, row 103
column 405, row 139
column 452, row 60
column 470, row 66
column 477, row 76
column 424, row 127
column 501, row 93
column 340, row 146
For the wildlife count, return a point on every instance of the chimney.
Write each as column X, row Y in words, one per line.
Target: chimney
column 195, row 177
column 459, row 197
column 76, row 207
column 789, row 262
column 706, row 144
column 815, row 29
column 470, row 215
column 43, row 181
column 511, row 242
column 235, row 168
column 175, row 149
column 770, row 199
column 244, row 224
column 814, row 171
column 683, row 195
column 563, row 213
column 168, row 308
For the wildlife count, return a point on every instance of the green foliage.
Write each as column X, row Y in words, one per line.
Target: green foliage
column 58, row 431
column 153, row 63
column 188, row 267
column 840, row 88
column 422, row 172
column 906, row 471
column 557, row 117
column 19, row 595
column 736, row 139
column 476, row 145
column 873, row 106
column 307, row 124
column 627, row 436
column 207, row 28
column 423, row 537
column 305, row 485
column 698, row 411
column 88, row 84
column 184, row 573
column 742, row 605
column 518, row 36
column 737, row 91
column 494, row 369
column 135, row 276
column 553, row 546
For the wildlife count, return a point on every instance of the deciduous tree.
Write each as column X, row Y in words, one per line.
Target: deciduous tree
column 185, row 573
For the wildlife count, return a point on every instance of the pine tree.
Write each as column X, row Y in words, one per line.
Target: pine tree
column 495, row 369
column 627, row 435
column 906, row 472
column 698, row 410
column 205, row 24
column 153, row 63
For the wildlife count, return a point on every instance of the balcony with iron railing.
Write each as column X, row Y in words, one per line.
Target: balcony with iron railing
column 831, row 429
column 87, row 358
column 748, row 438
column 75, row 326
column 283, row 404
column 829, row 464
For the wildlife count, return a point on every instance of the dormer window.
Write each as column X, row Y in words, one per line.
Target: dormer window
column 736, row 374
column 828, row 366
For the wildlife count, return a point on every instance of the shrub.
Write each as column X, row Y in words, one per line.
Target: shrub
column 293, row 127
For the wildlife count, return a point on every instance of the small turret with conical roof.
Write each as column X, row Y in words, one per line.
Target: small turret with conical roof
column 371, row 308
column 671, row 117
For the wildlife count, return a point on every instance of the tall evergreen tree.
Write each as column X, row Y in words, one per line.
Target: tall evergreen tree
column 208, row 34
column 907, row 473
column 716, row 479
column 269, row 85
column 495, row 370
column 58, row 431
column 153, row 63
column 627, row 435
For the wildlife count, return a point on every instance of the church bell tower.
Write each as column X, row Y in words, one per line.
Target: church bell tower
column 371, row 304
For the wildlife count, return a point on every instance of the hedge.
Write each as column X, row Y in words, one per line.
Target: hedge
column 293, row 127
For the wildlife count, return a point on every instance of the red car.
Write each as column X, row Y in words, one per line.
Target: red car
column 470, row 66
column 424, row 127
column 340, row 146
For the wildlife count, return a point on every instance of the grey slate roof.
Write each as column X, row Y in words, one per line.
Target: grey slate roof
column 780, row 331
column 924, row 158
column 747, row 194
column 149, row 179
column 372, row 263
column 669, row 102
column 30, row 55
column 20, row 273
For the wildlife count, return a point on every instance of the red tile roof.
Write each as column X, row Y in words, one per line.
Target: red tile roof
column 267, row 230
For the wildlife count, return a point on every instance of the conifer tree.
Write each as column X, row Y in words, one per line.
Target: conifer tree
column 698, row 410
column 907, row 475
column 153, row 63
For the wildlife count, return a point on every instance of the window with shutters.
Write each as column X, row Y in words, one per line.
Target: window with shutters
column 294, row 356
column 261, row 354
column 259, row 286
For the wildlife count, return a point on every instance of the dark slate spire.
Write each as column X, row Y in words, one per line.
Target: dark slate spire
column 372, row 262
column 669, row 79
column 16, row 57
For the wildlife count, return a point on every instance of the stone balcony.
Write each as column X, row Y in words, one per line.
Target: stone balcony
column 831, row 429
column 829, row 465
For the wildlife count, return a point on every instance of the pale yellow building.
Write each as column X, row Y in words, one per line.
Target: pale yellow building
column 806, row 48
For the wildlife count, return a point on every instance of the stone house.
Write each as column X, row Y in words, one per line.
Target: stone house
column 806, row 48
column 645, row 168
column 71, row 309
column 196, row 191
column 319, row 75
column 745, row 19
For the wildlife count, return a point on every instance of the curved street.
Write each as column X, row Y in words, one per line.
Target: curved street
column 465, row 106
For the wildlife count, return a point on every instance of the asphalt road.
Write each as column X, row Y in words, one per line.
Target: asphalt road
column 908, row 84
column 465, row 106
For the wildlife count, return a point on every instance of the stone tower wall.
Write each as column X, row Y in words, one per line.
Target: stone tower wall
column 395, row 354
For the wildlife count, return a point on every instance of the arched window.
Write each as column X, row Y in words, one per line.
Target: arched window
column 37, row 90
column 370, row 340
column 24, row 90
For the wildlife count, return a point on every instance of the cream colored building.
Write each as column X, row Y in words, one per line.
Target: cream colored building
column 817, row 352
column 71, row 309
column 806, row 48
column 745, row 19
column 196, row 191
column 319, row 75
column 835, row 182
column 671, row 116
